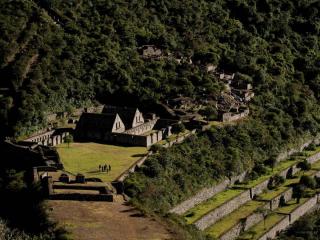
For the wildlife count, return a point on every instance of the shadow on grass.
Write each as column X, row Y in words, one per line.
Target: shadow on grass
column 138, row 155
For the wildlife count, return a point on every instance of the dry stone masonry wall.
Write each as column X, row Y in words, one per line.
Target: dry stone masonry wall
column 205, row 194
column 223, row 210
column 291, row 218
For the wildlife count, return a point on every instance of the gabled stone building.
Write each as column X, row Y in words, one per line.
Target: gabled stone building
column 120, row 125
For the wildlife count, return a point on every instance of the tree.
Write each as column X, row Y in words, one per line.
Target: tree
column 68, row 139
column 264, row 212
column 305, row 166
column 298, row 192
column 178, row 128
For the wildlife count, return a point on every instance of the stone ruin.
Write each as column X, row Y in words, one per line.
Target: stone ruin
column 121, row 125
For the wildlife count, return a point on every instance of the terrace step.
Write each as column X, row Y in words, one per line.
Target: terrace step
column 240, row 220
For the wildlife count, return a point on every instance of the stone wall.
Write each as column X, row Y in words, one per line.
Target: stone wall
column 230, row 117
column 221, row 211
column 313, row 158
column 258, row 189
column 132, row 168
column 135, row 140
column 49, row 138
column 244, row 225
column 298, row 149
column 291, row 218
column 274, row 203
column 276, row 229
column 205, row 194
column 82, row 197
column 301, row 210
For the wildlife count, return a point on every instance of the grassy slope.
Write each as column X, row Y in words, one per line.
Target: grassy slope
column 86, row 157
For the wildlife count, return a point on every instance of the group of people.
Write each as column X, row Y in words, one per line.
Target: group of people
column 104, row 168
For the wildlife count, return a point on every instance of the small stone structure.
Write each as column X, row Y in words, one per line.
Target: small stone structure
column 50, row 138
column 231, row 117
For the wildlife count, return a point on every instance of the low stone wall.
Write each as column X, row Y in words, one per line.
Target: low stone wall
column 313, row 158
column 230, row 117
column 298, row 149
column 256, row 190
column 49, row 138
column 242, row 226
column 205, row 194
column 255, row 218
column 132, row 168
column 276, row 229
column 287, row 195
column 82, row 197
column 223, row 210
column 291, row 218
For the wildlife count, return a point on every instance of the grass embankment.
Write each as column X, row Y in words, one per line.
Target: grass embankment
column 200, row 210
column 262, row 227
column 234, row 218
column 85, row 158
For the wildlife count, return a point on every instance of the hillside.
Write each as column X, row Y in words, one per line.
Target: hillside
column 60, row 55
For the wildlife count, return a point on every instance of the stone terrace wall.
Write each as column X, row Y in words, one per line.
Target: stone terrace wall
column 300, row 148
column 205, row 194
column 291, row 218
column 313, row 158
column 274, row 231
column 301, row 210
column 244, row 225
column 274, row 203
column 254, row 218
column 223, row 210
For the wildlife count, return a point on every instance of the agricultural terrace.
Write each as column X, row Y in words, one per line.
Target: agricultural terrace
column 234, row 218
column 85, row 158
column 272, row 219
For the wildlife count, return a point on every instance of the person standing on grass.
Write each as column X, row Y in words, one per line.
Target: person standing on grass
column 109, row 167
column 99, row 168
column 105, row 167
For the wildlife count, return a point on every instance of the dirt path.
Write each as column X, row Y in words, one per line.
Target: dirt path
column 106, row 221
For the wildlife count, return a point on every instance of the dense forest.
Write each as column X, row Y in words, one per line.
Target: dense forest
column 57, row 55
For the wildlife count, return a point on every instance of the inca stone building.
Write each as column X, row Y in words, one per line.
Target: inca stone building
column 121, row 125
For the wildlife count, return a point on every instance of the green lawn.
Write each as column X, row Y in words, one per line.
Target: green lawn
column 234, row 218
column 85, row 158
column 262, row 227
column 200, row 210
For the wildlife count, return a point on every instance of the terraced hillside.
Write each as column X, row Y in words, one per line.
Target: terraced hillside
column 253, row 209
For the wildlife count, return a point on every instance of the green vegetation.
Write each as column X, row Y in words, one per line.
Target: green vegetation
column 279, row 168
column 57, row 55
column 85, row 158
column 305, row 228
column 233, row 218
column 197, row 212
column 262, row 227
column 291, row 205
